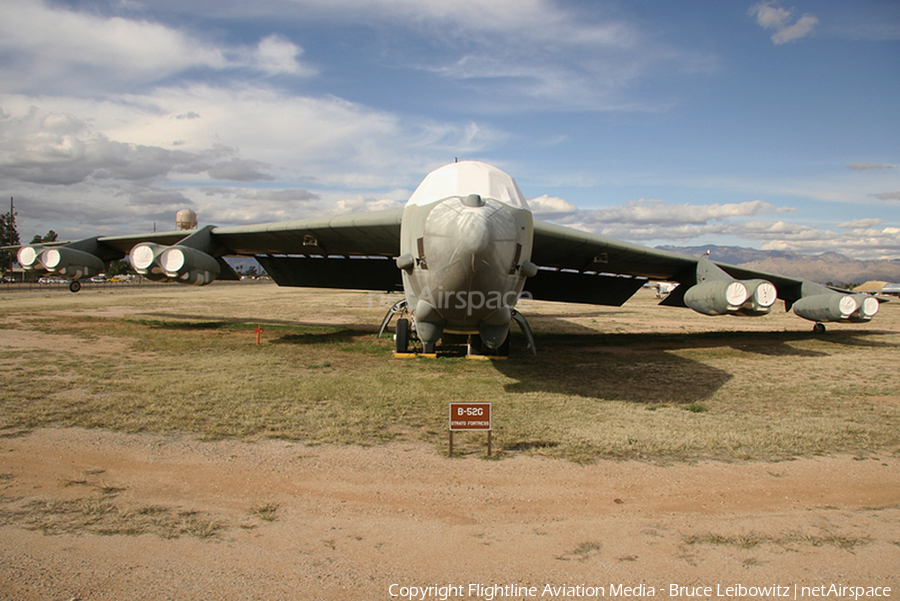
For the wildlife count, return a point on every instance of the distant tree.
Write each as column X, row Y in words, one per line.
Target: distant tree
column 8, row 236
column 51, row 236
column 118, row 267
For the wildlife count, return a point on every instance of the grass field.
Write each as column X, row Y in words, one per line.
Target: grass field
column 638, row 381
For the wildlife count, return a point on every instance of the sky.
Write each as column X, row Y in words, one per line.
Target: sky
column 771, row 125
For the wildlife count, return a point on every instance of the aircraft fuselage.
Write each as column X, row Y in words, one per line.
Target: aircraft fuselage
column 465, row 244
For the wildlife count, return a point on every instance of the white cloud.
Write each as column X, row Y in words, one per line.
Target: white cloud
column 551, row 207
column 860, row 223
column 645, row 211
column 658, row 222
column 276, row 55
column 123, row 163
column 61, row 149
column 56, row 48
column 869, row 166
column 362, row 204
column 770, row 16
column 887, row 196
column 519, row 55
column 863, row 243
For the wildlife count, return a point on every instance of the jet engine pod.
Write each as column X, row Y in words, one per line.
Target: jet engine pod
column 71, row 263
column 716, row 297
column 761, row 295
column 868, row 307
column 827, row 307
column 187, row 265
column 29, row 257
column 144, row 259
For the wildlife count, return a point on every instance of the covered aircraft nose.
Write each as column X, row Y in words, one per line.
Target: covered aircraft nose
column 463, row 233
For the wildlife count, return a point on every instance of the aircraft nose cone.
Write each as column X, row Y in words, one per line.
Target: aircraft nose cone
column 474, row 232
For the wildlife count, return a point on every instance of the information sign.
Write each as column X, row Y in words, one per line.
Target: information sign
column 470, row 416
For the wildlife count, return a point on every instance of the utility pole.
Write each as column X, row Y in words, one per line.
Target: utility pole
column 12, row 217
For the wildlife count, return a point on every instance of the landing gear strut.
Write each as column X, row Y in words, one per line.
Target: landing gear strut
column 398, row 307
column 526, row 329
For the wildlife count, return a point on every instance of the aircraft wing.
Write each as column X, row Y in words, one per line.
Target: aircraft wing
column 353, row 251
column 376, row 233
column 578, row 266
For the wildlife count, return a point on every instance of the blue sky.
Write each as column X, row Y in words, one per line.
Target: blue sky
column 765, row 124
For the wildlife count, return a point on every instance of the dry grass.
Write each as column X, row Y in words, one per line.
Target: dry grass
column 751, row 540
column 640, row 381
column 102, row 516
column 265, row 512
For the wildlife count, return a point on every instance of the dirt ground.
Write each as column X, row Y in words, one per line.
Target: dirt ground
column 298, row 521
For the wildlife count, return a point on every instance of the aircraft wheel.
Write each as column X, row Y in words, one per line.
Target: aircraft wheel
column 74, row 286
column 503, row 349
column 819, row 328
column 401, row 336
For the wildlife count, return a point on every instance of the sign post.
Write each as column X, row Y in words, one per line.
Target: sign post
column 470, row 416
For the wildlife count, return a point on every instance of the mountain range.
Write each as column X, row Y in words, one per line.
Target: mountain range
column 829, row 267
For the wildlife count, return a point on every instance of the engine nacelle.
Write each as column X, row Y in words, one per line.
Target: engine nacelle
column 833, row 306
column 143, row 258
column 716, row 297
column 761, row 295
column 69, row 262
column 181, row 264
column 29, row 257
column 187, row 265
column 868, row 307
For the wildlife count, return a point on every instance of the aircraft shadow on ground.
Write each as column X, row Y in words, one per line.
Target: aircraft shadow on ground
column 319, row 333
column 645, row 367
column 575, row 360
column 574, row 364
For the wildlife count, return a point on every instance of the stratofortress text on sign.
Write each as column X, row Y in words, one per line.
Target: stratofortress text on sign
column 470, row 416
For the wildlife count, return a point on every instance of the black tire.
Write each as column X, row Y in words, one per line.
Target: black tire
column 401, row 342
column 503, row 349
column 819, row 328
column 74, row 286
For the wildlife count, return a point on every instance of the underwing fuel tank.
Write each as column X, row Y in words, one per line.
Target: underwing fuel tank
column 180, row 264
column 835, row 306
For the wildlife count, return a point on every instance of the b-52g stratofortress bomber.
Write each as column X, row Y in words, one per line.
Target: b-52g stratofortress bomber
column 464, row 250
